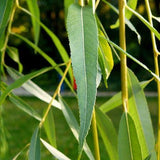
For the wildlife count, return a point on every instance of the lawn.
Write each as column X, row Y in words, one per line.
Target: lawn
column 20, row 127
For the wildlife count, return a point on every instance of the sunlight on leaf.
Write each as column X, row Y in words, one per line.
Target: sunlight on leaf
column 34, row 9
column 56, row 153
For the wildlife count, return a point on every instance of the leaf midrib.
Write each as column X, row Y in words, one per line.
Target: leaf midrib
column 129, row 137
column 84, row 62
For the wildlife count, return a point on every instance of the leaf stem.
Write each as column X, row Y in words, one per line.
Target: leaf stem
column 123, row 57
column 156, row 53
column 55, row 94
column 95, row 136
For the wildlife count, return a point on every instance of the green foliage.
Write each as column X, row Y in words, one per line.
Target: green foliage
column 14, row 55
column 139, row 108
column 20, row 81
column 34, row 149
column 5, row 8
column 57, row 154
column 84, row 48
column 108, row 134
column 91, row 58
column 105, row 58
column 34, row 9
column 128, row 143
column 50, row 130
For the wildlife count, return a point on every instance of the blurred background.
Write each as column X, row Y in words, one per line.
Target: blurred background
column 53, row 16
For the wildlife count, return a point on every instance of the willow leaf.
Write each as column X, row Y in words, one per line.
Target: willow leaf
column 56, row 153
column 24, row 106
column 116, row 100
column 34, row 9
column 132, row 4
column 14, row 55
column 32, row 88
column 144, row 21
column 108, row 134
column 128, row 144
column 18, row 83
column 134, row 59
column 56, row 41
column 139, row 108
column 105, row 58
column 49, row 126
column 83, row 38
column 45, row 56
column 34, row 149
column 73, row 124
column 5, row 8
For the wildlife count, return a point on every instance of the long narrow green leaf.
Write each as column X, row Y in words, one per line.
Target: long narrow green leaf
column 73, row 124
column 56, row 41
column 150, row 27
column 24, row 106
column 34, row 149
column 134, row 59
column 83, row 37
column 34, row 9
column 3, row 137
column 138, row 108
column 42, row 95
column 33, row 89
column 45, row 56
column 56, row 153
column 105, row 58
column 108, row 134
column 132, row 4
column 128, row 23
column 18, row 83
column 116, row 100
column 2, row 41
column 14, row 55
column 49, row 127
column 20, row 152
column 128, row 144
column 5, row 8
column 128, row 14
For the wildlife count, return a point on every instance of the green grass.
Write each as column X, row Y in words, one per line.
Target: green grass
column 20, row 127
